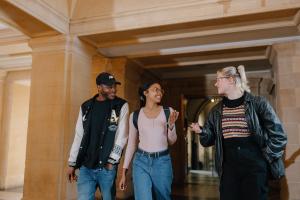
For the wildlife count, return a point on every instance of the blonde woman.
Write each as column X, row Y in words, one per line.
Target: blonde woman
column 248, row 136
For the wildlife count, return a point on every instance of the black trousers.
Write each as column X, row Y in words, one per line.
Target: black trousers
column 245, row 174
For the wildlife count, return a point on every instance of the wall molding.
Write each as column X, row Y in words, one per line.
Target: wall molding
column 62, row 43
column 12, row 63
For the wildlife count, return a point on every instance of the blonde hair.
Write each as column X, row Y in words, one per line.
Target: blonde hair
column 239, row 74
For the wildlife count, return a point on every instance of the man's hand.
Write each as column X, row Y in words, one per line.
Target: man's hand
column 109, row 166
column 196, row 128
column 71, row 174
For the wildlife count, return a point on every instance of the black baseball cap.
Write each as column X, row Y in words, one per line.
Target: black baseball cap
column 106, row 79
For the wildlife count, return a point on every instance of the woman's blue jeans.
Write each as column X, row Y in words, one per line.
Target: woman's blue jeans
column 152, row 174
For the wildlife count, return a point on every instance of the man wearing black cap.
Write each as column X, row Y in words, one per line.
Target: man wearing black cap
column 100, row 135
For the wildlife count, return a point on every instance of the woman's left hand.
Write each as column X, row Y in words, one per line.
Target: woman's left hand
column 173, row 117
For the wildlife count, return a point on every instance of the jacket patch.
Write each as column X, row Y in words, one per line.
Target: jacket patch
column 117, row 150
column 113, row 117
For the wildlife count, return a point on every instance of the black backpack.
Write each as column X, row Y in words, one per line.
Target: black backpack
column 137, row 112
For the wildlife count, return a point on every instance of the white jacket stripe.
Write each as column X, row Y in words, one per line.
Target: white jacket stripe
column 121, row 135
column 77, row 140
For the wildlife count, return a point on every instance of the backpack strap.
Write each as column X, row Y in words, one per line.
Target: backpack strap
column 135, row 118
column 167, row 114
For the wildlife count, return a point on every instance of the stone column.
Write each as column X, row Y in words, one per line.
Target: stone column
column 285, row 60
column 115, row 66
column 2, row 82
column 60, row 82
column 99, row 64
column 2, row 135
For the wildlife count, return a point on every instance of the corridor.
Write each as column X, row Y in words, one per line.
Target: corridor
column 51, row 52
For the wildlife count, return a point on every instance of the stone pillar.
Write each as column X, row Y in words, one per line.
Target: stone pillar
column 2, row 82
column 115, row 66
column 2, row 135
column 60, row 82
column 99, row 64
column 285, row 60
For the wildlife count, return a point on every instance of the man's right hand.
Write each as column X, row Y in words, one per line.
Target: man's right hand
column 71, row 174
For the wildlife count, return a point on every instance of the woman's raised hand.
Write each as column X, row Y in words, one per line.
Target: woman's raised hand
column 172, row 118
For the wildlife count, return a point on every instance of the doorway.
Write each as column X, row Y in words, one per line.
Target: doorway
column 200, row 160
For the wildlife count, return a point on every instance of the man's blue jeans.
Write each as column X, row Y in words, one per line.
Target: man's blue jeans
column 152, row 174
column 89, row 179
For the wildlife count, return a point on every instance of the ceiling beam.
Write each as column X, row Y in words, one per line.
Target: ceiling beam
column 206, row 58
column 44, row 13
column 138, row 37
column 228, row 45
column 24, row 22
column 200, row 62
column 89, row 22
column 210, row 43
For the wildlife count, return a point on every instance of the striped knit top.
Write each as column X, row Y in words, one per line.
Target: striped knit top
column 234, row 123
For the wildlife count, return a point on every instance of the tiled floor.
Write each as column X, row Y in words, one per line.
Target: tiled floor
column 197, row 187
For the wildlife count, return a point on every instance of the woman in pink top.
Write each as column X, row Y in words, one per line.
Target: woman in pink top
column 152, row 167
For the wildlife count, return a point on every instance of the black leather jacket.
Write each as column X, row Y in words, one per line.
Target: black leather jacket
column 262, row 122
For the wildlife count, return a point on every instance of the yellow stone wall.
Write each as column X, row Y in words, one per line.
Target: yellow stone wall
column 287, row 72
column 14, row 128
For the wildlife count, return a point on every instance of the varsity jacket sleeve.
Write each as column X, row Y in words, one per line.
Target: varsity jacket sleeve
column 121, row 135
column 77, row 140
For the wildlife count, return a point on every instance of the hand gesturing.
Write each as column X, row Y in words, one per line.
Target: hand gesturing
column 173, row 117
column 196, row 128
